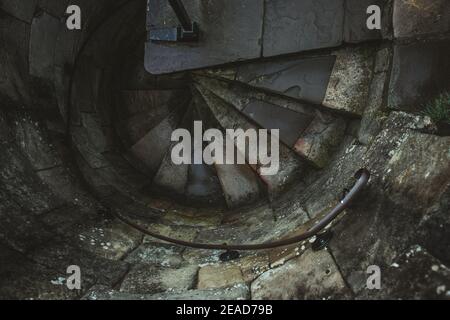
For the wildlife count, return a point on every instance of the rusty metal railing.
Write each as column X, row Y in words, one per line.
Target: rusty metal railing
column 362, row 177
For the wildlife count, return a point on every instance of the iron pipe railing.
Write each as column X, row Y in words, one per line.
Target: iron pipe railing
column 362, row 177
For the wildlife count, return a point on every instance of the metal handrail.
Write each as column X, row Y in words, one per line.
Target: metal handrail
column 362, row 175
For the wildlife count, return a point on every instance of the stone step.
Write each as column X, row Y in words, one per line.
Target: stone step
column 203, row 185
column 304, row 78
column 142, row 110
column 239, row 182
column 236, row 292
column 152, row 147
column 145, row 278
column 289, row 163
column 338, row 81
column 170, row 177
column 415, row 275
column 313, row 134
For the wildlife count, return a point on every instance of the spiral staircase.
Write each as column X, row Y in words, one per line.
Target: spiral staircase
column 88, row 133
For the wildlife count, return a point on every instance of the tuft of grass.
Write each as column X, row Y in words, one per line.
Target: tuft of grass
column 439, row 109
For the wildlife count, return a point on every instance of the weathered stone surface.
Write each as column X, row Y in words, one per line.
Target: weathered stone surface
column 203, row 186
column 158, row 254
column 22, row 183
column 59, row 255
column 171, row 177
column 313, row 275
column 221, row 41
column 32, row 139
column 410, row 172
column 318, row 142
column 300, row 78
column 15, row 36
column 148, row 279
column 237, row 292
column 348, row 88
column 219, row 276
column 355, row 29
column 253, row 265
column 177, row 232
column 290, row 124
column 193, row 217
column 415, row 275
column 21, row 279
column 420, row 17
column 411, row 88
column 239, row 184
column 152, row 147
column 87, row 145
column 143, row 109
column 293, row 26
column 22, row 10
column 240, row 96
column 373, row 114
column 251, row 229
column 44, row 31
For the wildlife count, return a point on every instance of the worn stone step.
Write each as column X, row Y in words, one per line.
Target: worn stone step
column 152, row 147
column 223, row 39
column 304, row 78
column 339, row 81
column 141, row 110
column 171, row 177
column 312, row 133
column 290, row 165
column 239, row 182
column 203, row 186
column 236, row 292
column 147, row 278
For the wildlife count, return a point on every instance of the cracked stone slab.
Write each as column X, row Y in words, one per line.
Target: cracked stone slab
column 303, row 78
column 151, row 279
column 222, row 39
column 294, row 26
column 349, row 83
column 420, row 17
column 237, row 292
column 412, row 87
column 313, row 275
